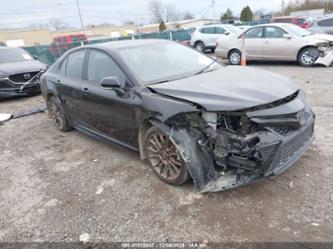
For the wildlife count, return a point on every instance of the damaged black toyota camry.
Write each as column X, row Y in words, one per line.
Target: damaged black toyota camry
column 187, row 114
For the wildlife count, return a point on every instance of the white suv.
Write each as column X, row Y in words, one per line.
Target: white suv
column 205, row 37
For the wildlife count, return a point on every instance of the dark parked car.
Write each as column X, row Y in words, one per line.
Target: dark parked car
column 188, row 115
column 19, row 73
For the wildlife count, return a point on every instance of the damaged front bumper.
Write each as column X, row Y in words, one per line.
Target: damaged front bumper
column 325, row 58
column 218, row 158
column 9, row 89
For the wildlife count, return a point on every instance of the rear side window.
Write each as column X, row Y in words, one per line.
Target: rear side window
column 209, row 30
column 101, row 65
column 326, row 22
column 254, row 33
column 274, row 32
column 300, row 21
column 75, row 63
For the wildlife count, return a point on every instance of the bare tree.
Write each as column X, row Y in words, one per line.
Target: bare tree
column 58, row 24
column 188, row 15
column 171, row 13
column 156, row 9
column 128, row 22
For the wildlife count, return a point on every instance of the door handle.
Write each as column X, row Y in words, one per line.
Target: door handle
column 58, row 82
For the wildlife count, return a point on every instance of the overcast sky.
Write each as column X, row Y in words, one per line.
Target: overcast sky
column 22, row 13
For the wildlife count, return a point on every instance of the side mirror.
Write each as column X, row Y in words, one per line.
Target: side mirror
column 287, row 36
column 227, row 33
column 111, row 82
column 35, row 57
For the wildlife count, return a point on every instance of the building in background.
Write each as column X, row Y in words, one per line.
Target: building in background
column 43, row 36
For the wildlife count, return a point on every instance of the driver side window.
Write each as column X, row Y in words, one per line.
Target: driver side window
column 101, row 65
column 274, row 32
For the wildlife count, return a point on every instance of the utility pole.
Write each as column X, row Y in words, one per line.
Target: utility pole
column 213, row 4
column 81, row 21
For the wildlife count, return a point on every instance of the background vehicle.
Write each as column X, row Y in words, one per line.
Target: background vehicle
column 322, row 25
column 299, row 21
column 205, row 37
column 185, row 113
column 19, row 73
column 63, row 43
column 279, row 42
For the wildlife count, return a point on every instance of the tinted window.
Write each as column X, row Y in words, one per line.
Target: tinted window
column 326, row 23
column 101, row 65
column 300, row 21
column 219, row 30
column 74, row 64
column 274, row 32
column 254, row 33
column 207, row 30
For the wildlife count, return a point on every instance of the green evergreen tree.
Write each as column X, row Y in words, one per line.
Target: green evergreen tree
column 162, row 26
column 246, row 14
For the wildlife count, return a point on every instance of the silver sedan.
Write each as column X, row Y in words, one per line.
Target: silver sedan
column 278, row 42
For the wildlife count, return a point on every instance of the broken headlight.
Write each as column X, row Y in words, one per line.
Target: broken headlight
column 235, row 123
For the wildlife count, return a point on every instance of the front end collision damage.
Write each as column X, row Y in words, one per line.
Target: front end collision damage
column 326, row 54
column 223, row 150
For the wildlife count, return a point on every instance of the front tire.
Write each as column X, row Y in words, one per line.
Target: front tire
column 164, row 158
column 308, row 56
column 235, row 57
column 57, row 114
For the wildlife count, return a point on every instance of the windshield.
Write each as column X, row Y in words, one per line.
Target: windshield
column 159, row 62
column 8, row 55
column 297, row 31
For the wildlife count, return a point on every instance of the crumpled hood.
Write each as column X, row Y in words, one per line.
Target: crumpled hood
column 22, row 66
column 325, row 37
column 230, row 88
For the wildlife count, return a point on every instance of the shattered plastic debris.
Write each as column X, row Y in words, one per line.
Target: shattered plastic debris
column 84, row 238
column 315, row 224
column 5, row 116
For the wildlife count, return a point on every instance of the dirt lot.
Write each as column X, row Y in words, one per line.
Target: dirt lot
column 55, row 186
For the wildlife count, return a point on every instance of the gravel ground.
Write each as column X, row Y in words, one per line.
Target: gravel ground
column 55, row 186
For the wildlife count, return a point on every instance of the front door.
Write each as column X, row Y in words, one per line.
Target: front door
column 278, row 44
column 110, row 112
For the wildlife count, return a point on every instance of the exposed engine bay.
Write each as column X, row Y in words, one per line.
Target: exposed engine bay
column 227, row 149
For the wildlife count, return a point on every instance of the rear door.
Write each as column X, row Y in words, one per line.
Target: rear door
column 69, row 84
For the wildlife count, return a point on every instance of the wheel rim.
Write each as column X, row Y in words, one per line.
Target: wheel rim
column 199, row 47
column 164, row 156
column 307, row 58
column 56, row 115
column 235, row 58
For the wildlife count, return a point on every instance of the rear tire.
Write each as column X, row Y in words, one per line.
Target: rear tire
column 235, row 57
column 164, row 158
column 308, row 56
column 200, row 46
column 57, row 114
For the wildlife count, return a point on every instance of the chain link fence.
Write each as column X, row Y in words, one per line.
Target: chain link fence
column 50, row 53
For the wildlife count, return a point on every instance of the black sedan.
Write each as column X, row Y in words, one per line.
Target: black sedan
column 188, row 115
column 19, row 73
